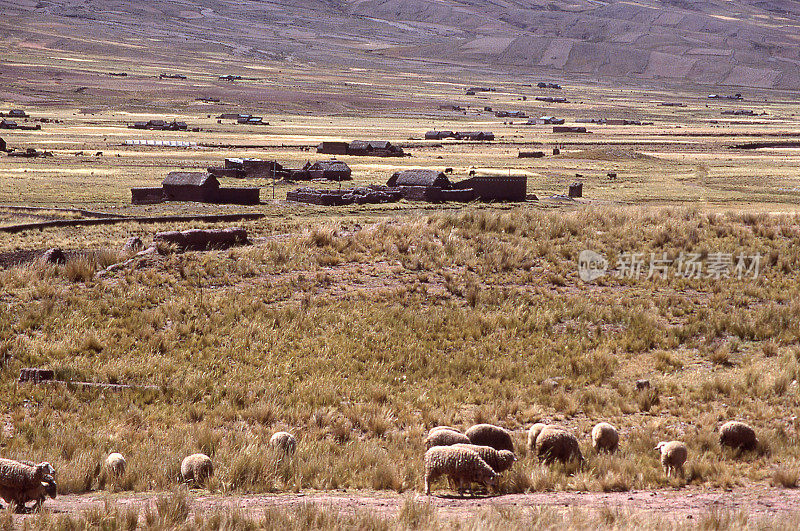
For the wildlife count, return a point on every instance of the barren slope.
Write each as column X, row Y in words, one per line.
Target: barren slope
column 742, row 42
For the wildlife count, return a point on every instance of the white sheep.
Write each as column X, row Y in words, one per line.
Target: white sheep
column 115, row 464
column 499, row 460
column 461, row 465
column 533, row 433
column 37, row 493
column 605, row 437
column 445, row 437
column 673, row 456
column 737, row 435
column 490, row 435
column 557, row 444
column 196, row 468
column 284, row 442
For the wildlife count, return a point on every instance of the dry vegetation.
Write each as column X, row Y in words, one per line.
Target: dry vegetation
column 360, row 339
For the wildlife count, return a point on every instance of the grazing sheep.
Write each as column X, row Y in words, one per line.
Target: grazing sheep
column 18, row 498
column 490, row 435
column 533, row 433
column 461, row 465
column 738, row 435
column 445, row 437
column 673, row 456
column 605, row 437
column 115, row 464
column 499, row 460
column 196, row 468
column 22, row 476
column 443, row 428
column 557, row 444
column 284, row 442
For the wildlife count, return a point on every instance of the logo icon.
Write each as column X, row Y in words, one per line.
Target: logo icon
column 592, row 265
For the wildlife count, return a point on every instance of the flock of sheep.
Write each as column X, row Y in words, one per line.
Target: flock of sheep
column 478, row 455
column 485, row 451
column 23, row 481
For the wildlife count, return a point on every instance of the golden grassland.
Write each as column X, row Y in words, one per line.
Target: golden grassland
column 359, row 339
column 359, row 328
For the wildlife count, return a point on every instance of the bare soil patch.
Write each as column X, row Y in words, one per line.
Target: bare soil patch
column 683, row 504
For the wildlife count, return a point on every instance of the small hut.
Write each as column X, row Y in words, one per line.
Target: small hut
column 333, row 170
column 333, row 148
column 190, row 186
column 419, row 178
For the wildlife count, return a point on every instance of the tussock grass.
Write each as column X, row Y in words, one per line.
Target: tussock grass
column 358, row 341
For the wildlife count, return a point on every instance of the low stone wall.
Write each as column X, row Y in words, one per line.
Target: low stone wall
column 202, row 240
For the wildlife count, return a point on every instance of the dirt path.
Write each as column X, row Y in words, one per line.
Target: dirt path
column 756, row 501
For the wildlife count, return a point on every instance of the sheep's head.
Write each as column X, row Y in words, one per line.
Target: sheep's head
column 660, row 445
column 506, row 458
column 50, row 487
column 47, row 468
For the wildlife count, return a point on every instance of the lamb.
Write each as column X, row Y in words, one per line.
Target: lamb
column 737, row 435
column 461, row 465
column 557, row 444
column 37, row 493
column 196, row 468
column 673, row 456
column 284, row 442
column 445, row 437
column 490, row 435
column 499, row 460
column 605, row 437
column 115, row 464
column 533, row 433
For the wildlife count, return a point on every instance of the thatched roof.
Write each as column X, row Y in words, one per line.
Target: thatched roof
column 366, row 145
column 419, row 178
column 330, row 165
column 190, row 178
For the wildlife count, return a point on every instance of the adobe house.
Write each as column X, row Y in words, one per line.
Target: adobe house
column 374, row 148
column 419, row 178
column 17, row 113
column 428, row 185
column 195, row 186
column 496, row 187
column 190, row 186
column 333, row 170
column 474, row 135
column 438, row 135
column 333, row 148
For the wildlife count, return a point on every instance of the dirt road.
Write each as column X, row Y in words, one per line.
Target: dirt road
column 757, row 501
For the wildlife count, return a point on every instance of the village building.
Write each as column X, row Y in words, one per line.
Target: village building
column 510, row 114
column 333, row 148
column 160, row 125
column 332, row 170
column 374, row 148
column 569, row 129
column 190, row 186
column 546, row 120
column 496, row 187
column 438, row 135
column 194, row 186
column 474, row 135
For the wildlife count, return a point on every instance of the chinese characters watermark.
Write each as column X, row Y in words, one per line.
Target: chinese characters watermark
column 716, row 265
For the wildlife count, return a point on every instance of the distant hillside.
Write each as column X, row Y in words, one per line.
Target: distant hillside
column 738, row 42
